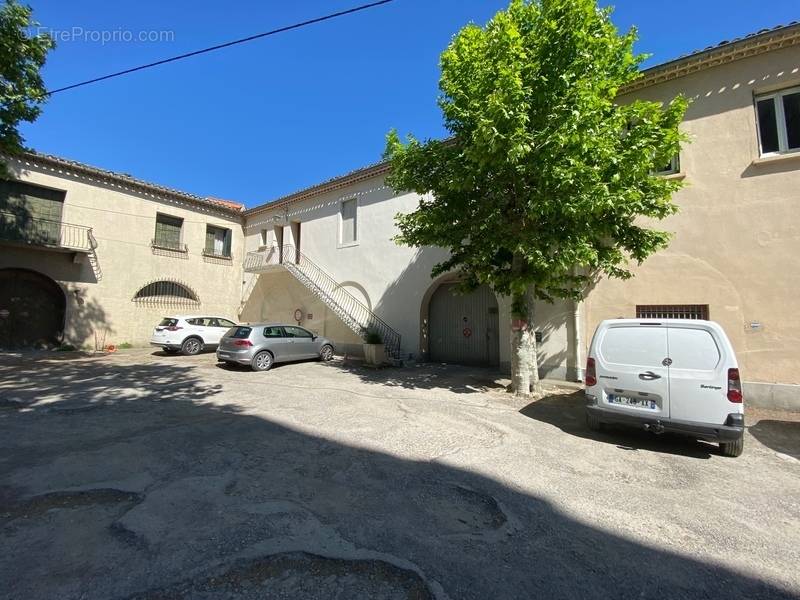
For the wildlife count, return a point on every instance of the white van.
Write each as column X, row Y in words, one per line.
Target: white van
column 673, row 375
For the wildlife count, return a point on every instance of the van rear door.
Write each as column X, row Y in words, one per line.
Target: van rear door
column 632, row 369
column 698, row 375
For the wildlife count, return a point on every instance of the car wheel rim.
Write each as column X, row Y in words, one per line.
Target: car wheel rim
column 192, row 346
column 263, row 361
column 327, row 353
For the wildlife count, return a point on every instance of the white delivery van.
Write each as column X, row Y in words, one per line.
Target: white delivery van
column 674, row 375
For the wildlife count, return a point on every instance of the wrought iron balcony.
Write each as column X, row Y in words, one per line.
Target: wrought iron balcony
column 24, row 229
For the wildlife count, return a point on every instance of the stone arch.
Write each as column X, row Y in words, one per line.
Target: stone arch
column 32, row 309
column 489, row 325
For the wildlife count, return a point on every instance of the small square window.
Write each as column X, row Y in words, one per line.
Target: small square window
column 778, row 117
column 672, row 167
column 168, row 232
column 218, row 241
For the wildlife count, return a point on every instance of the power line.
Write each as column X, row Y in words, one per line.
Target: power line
column 225, row 45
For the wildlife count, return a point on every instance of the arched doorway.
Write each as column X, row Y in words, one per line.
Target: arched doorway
column 32, row 309
column 463, row 328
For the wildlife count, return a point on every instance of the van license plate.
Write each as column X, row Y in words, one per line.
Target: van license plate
column 628, row 401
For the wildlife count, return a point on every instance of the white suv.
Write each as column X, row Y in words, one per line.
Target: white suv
column 666, row 375
column 189, row 334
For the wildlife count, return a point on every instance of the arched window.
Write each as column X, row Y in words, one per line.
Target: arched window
column 167, row 293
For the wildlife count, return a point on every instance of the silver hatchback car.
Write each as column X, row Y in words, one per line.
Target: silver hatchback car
column 260, row 346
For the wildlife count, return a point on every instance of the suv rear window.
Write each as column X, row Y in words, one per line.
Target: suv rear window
column 166, row 322
column 241, row 333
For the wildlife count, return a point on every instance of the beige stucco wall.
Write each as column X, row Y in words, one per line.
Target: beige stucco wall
column 736, row 243
column 123, row 222
column 394, row 281
column 277, row 296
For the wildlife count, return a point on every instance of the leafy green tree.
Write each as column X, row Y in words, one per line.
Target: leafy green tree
column 547, row 180
column 22, row 91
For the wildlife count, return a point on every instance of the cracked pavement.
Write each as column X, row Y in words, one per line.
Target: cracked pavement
column 139, row 475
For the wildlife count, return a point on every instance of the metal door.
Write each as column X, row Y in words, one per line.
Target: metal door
column 463, row 328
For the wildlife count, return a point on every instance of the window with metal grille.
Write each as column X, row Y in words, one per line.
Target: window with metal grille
column 167, row 293
column 672, row 311
column 168, row 232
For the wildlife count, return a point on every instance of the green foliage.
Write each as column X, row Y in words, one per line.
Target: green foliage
column 22, row 90
column 373, row 337
column 547, row 179
column 125, row 346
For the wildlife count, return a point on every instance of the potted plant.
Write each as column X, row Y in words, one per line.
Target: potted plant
column 374, row 352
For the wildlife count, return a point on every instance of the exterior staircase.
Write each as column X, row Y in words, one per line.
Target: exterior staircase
column 94, row 261
column 353, row 313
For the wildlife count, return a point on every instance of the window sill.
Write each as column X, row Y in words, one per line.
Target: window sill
column 348, row 244
column 772, row 158
column 672, row 176
column 182, row 250
column 217, row 256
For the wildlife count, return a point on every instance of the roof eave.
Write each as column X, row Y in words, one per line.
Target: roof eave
column 760, row 43
column 64, row 166
column 362, row 174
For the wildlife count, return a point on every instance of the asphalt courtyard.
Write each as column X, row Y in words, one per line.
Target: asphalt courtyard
column 140, row 475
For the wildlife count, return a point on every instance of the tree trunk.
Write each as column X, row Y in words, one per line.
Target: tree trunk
column 524, row 361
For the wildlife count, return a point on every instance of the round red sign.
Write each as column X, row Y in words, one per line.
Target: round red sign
column 467, row 332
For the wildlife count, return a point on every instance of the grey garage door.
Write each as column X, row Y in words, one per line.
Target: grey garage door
column 463, row 327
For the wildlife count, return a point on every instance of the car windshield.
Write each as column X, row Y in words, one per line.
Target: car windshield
column 240, row 332
column 167, row 322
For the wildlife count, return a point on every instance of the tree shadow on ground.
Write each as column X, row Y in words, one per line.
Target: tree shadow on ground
column 568, row 413
column 426, row 376
column 133, row 480
column 781, row 436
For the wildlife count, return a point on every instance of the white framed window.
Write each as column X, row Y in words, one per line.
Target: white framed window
column 671, row 168
column 778, row 118
column 348, row 222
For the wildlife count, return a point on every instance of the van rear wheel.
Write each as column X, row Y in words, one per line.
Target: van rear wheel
column 593, row 422
column 732, row 448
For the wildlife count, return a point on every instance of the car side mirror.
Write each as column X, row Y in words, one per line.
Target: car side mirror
column 314, row 337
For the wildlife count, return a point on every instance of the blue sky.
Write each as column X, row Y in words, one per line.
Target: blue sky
column 256, row 121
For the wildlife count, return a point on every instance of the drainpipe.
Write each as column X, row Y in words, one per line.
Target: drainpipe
column 577, row 318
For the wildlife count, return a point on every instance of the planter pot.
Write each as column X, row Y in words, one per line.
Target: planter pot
column 374, row 354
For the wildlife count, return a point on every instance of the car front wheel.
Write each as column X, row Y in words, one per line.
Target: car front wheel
column 191, row 346
column 326, row 352
column 262, row 361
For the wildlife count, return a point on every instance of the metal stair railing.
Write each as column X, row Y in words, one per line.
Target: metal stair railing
column 354, row 313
